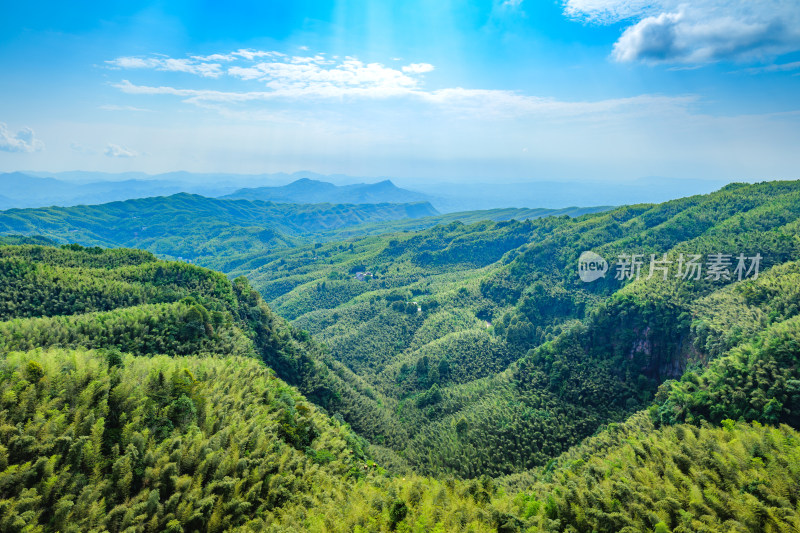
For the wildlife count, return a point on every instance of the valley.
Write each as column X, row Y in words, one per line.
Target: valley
column 470, row 366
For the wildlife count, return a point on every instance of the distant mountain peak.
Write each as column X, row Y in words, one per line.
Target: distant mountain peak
column 307, row 190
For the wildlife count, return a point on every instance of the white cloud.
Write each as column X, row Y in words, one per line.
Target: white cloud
column 303, row 79
column 250, row 55
column 190, row 66
column 278, row 91
column 133, row 62
column 509, row 104
column 654, row 38
column 314, row 77
column 418, row 68
column 459, row 101
column 697, row 32
column 22, row 141
column 115, row 150
column 608, row 11
column 284, row 76
column 215, row 57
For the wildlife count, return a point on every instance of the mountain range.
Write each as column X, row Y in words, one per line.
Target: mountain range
column 195, row 227
column 473, row 381
column 22, row 190
column 307, row 191
column 212, row 231
column 41, row 189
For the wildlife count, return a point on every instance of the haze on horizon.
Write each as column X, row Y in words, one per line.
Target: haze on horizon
column 503, row 89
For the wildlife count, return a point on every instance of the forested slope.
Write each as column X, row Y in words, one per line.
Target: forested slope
column 206, row 230
column 128, row 300
column 474, row 348
column 135, row 397
column 493, row 355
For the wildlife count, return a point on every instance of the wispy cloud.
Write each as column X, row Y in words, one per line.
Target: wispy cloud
column 702, row 31
column 509, row 104
column 302, row 75
column 115, row 150
column 316, row 77
column 24, row 140
column 282, row 76
column 608, row 11
column 190, row 66
column 779, row 67
column 464, row 102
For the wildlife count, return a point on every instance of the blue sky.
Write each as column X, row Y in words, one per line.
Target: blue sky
column 505, row 89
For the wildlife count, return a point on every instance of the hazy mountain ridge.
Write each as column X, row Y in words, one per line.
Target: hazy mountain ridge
column 72, row 188
column 42, row 189
column 27, row 191
column 464, row 217
column 193, row 226
column 308, row 191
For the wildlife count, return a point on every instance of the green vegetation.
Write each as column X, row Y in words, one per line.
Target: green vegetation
column 127, row 300
column 632, row 477
column 147, row 395
column 92, row 440
column 526, row 359
column 465, row 217
column 758, row 381
column 202, row 229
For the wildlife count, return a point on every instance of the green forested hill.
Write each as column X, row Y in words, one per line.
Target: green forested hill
column 226, row 233
column 144, row 395
column 124, row 381
column 128, row 300
column 195, row 227
column 93, row 441
column 633, row 477
column 475, row 349
column 491, row 354
column 464, row 217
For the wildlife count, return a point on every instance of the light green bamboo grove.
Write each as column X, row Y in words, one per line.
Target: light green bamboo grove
column 96, row 441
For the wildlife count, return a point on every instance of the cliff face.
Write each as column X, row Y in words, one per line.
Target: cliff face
column 665, row 360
